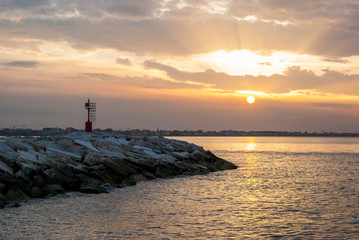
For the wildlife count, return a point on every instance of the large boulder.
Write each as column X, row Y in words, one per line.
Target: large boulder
column 8, row 155
column 138, row 177
column 36, row 192
column 26, row 172
column 17, row 144
column 144, row 165
column 90, row 185
column 92, row 159
column 2, row 187
column 99, row 172
column 30, row 157
column 199, row 155
column 5, row 170
column 53, row 176
column 119, row 166
column 167, row 170
column 166, row 158
column 37, row 147
column 39, row 181
column 15, row 193
column 133, row 179
column 53, row 189
column 2, row 201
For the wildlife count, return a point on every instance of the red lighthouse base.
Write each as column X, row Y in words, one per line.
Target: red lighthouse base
column 88, row 126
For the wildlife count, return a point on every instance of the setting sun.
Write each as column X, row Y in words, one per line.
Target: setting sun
column 251, row 99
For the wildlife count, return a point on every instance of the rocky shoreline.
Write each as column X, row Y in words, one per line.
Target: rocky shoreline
column 36, row 167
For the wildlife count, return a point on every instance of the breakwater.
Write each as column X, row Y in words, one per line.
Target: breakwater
column 35, row 167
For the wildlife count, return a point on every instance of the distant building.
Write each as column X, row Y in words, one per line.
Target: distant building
column 70, row 130
column 52, row 131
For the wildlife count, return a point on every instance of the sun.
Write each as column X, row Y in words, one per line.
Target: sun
column 251, row 99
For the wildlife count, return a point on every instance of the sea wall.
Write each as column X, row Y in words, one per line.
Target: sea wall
column 35, row 167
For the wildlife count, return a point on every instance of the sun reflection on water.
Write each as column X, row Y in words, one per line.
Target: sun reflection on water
column 251, row 144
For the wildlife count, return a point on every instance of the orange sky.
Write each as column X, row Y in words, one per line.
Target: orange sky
column 181, row 64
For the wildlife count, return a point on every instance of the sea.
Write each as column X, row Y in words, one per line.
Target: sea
column 284, row 188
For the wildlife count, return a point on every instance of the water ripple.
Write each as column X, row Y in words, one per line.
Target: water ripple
column 271, row 195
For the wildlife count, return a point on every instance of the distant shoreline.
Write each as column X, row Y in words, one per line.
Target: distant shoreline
column 310, row 136
column 175, row 133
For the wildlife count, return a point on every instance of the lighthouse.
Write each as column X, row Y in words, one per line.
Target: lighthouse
column 91, row 115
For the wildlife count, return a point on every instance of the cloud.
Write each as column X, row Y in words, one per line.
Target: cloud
column 265, row 64
column 124, row 61
column 25, row 84
column 336, row 105
column 142, row 82
column 19, row 4
column 336, row 60
column 91, row 9
column 22, row 64
column 100, row 76
column 142, row 8
column 325, row 28
column 297, row 12
column 293, row 79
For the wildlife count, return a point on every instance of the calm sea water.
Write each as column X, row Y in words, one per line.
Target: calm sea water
column 285, row 187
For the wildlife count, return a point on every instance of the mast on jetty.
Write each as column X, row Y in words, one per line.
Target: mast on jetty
column 91, row 115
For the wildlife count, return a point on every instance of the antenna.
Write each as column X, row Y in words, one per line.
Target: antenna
column 91, row 115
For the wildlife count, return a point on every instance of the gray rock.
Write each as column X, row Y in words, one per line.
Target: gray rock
column 119, row 166
column 5, row 169
column 139, row 157
column 92, row 159
column 184, row 166
column 27, row 157
column 15, row 193
column 39, row 181
column 15, row 205
column 181, row 155
column 6, row 149
column 149, row 175
column 138, row 177
column 53, row 176
column 100, row 172
column 90, row 185
column 7, row 155
column 2, row 201
column 199, row 155
column 53, row 189
column 26, row 172
column 167, row 158
column 128, row 182
column 37, row 193
column 107, row 186
column 78, row 168
column 99, row 168
column 2, row 187
column 114, row 153
column 22, row 176
column 166, row 171
column 144, row 165
column 37, row 147
column 17, row 145
column 29, row 169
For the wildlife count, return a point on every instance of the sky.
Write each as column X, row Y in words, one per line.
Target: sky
column 181, row 64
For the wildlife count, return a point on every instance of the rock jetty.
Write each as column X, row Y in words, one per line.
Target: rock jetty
column 35, row 167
